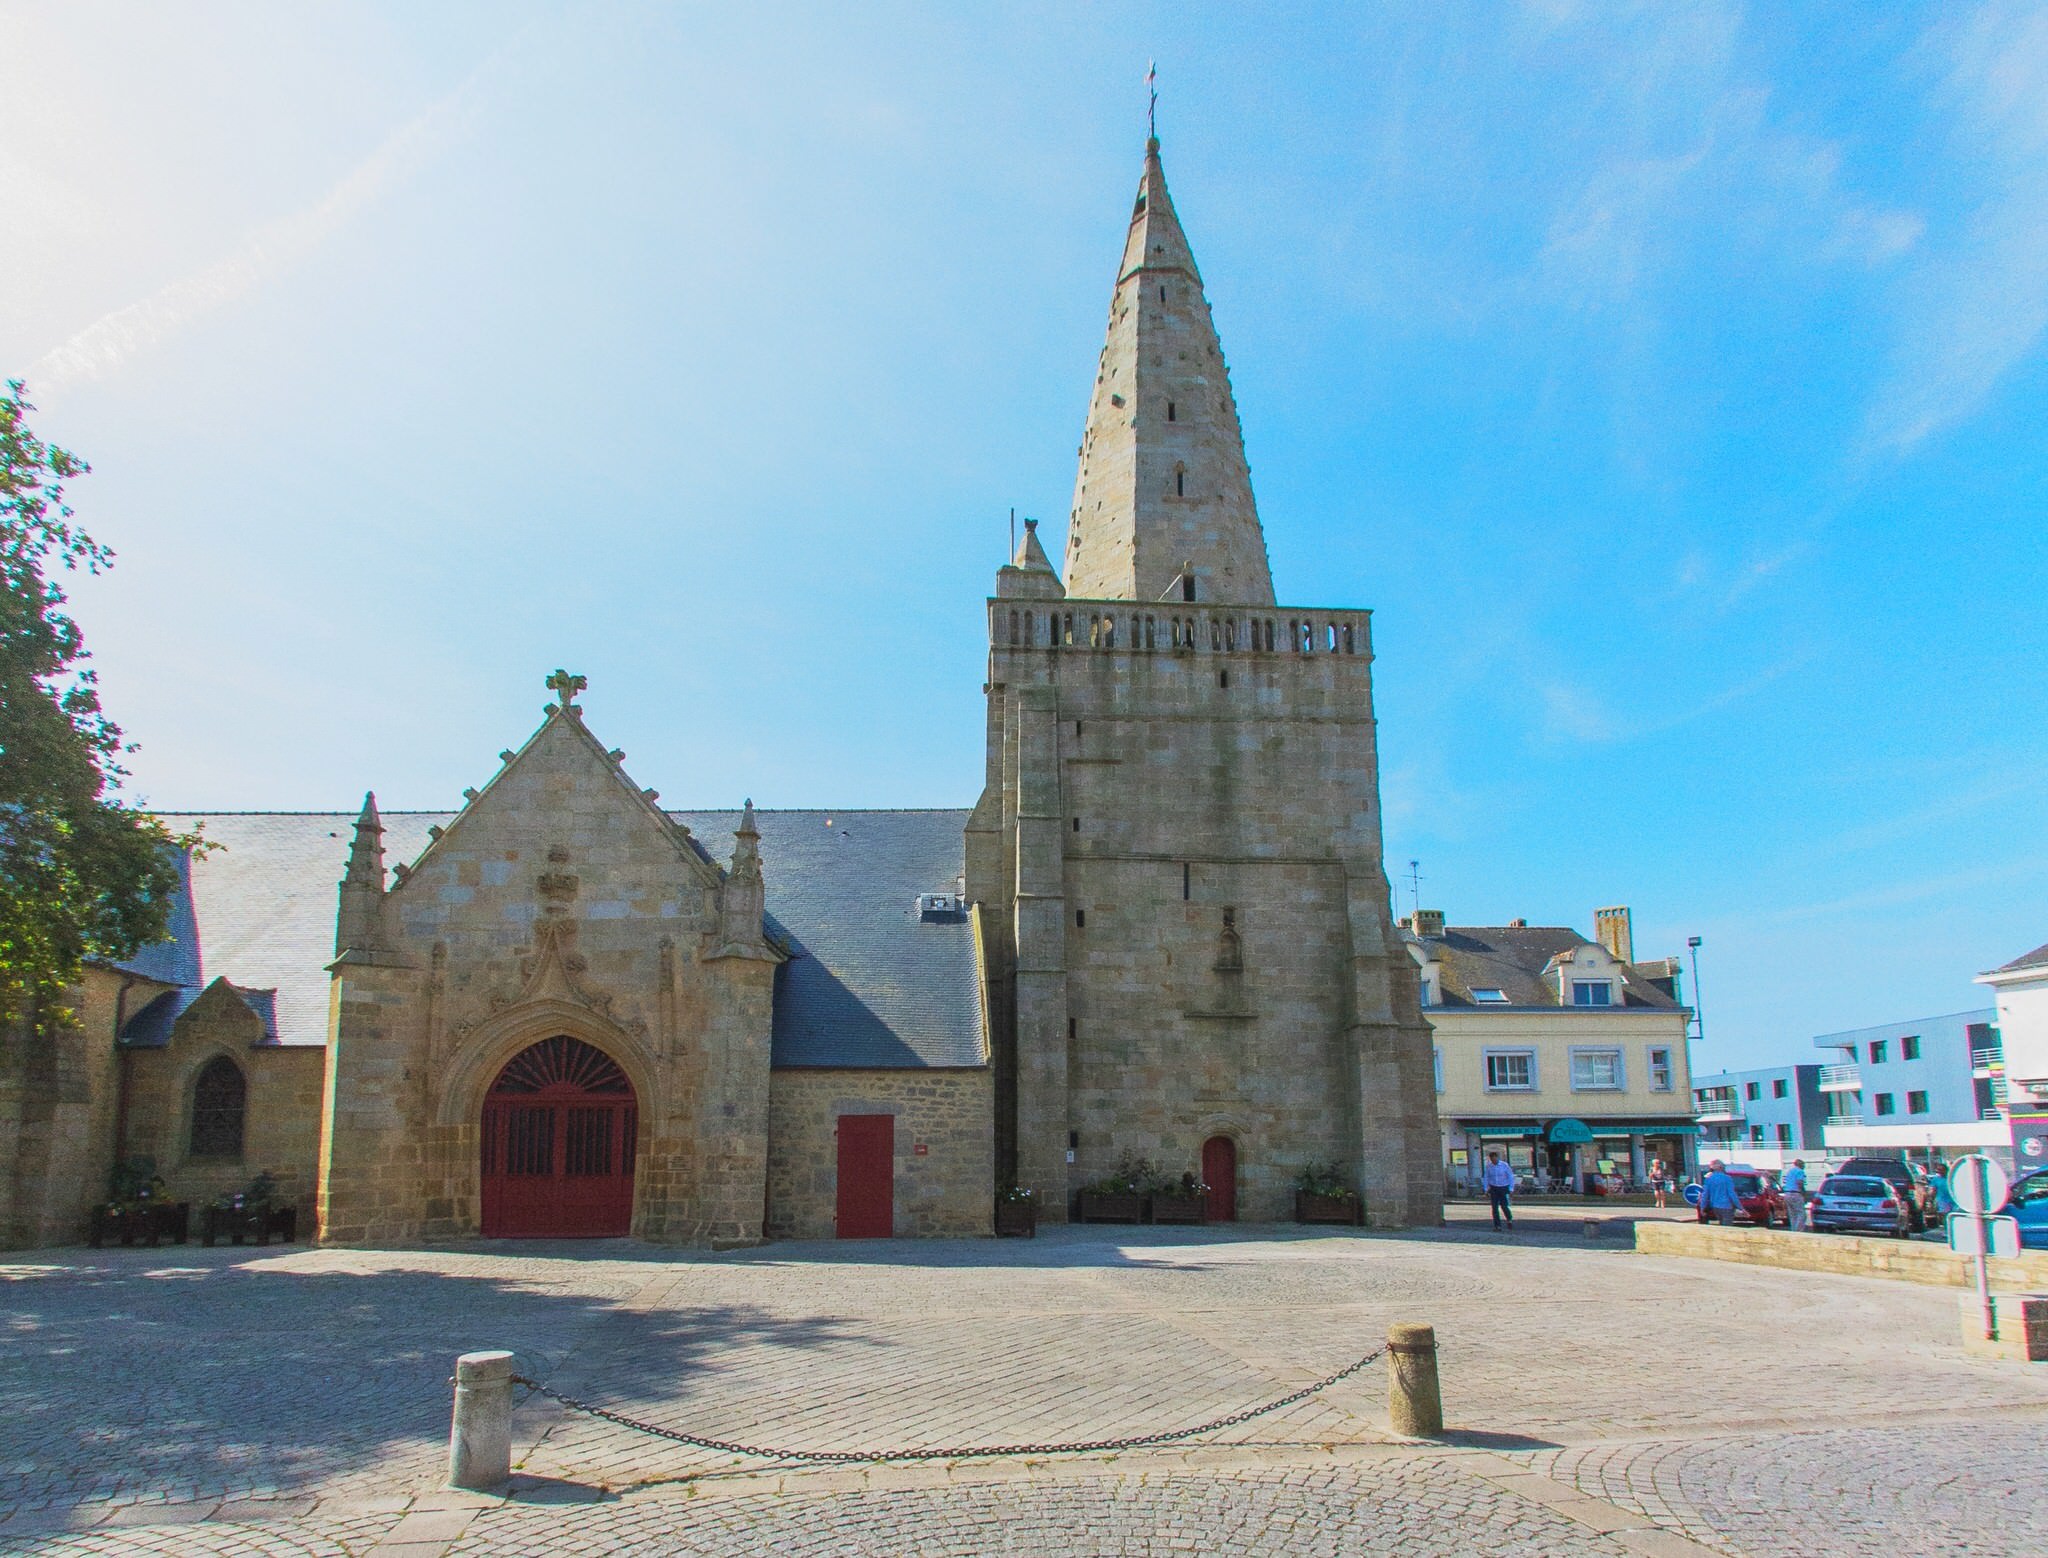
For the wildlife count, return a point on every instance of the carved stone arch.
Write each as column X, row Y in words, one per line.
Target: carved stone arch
column 1227, row 1122
column 482, row 1053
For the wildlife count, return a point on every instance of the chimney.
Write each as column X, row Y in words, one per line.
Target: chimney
column 1612, row 928
column 1427, row 922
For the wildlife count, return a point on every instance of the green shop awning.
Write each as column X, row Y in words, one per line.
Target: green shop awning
column 1569, row 1133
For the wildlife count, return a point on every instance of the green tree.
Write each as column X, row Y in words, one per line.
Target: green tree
column 82, row 876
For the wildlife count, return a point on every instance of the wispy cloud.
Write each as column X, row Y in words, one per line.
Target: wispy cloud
column 1576, row 713
column 1899, row 894
column 109, row 342
column 1983, row 306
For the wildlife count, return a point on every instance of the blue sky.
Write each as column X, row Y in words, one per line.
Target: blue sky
column 1669, row 380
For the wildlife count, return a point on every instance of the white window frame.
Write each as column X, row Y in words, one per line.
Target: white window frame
column 1651, row 1065
column 1437, row 1056
column 1588, row 1051
column 1593, row 984
column 1489, row 995
column 1486, row 1063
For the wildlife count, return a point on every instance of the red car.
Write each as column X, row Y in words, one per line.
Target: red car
column 1761, row 1203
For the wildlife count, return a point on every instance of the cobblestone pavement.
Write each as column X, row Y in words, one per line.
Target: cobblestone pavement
column 295, row 1402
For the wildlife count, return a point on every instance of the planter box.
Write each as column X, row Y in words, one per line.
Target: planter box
column 141, row 1224
column 1180, row 1209
column 1091, row 1206
column 1312, row 1208
column 1016, row 1219
column 257, row 1224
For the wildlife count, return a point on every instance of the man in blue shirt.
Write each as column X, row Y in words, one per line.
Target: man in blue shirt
column 1717, row 1194
column 1793, row 1188
column 1499, row 1179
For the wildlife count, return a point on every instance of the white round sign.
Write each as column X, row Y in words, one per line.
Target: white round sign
column 1978, row 1183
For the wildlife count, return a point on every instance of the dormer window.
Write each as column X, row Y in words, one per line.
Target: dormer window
column 1592, row 992
column 1491, row 997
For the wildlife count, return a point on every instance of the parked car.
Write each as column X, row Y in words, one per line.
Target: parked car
column 2027, row 1204
column 1761, row 1202
column 1861, row 1203
column 1911, row 1183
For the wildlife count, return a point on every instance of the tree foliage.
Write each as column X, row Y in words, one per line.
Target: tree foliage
column 82, row 876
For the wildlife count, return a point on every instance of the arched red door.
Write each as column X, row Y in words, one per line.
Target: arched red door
column 558, row 1140
column 1219, row 1173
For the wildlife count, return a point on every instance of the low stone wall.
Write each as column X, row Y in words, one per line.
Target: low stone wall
column 1903, row 1260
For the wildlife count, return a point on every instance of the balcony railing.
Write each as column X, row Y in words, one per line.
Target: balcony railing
column 1840, row 1079
column 1987, row 1062
column 1706, row 1109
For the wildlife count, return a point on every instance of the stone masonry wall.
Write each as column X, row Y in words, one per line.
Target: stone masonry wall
column 281, row 1119
column 949, row 1189
column 1184, row 782
column 57, row 1105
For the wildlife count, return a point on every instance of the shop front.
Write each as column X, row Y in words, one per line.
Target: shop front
column 1569, row 1155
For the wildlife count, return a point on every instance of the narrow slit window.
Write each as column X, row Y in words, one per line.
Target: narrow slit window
column 1180, row 484
column 1187, row 881
column 1169, row 411
column 1080, row 919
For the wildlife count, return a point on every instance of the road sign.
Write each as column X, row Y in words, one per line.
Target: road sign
column 1693, row 1194
column 1978, row 1183
column 1964, row 1238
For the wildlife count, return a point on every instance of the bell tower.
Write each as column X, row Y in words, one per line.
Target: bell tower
column 1176, row 860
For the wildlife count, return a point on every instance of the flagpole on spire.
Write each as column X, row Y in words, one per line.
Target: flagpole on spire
column 1152, row 108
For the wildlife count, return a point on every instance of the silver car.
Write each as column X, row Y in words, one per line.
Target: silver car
column 1860, row 1204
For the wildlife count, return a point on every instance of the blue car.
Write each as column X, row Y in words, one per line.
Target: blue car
column 2027, row 1204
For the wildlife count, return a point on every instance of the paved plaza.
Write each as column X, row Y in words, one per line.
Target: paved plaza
column 295, row 1402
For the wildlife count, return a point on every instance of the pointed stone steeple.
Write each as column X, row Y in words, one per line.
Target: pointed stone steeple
column 744, row 898
column 1163, row 500
column 1029, row 575
column 362, row 885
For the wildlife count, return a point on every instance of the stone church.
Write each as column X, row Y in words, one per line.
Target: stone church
column 565, row 1010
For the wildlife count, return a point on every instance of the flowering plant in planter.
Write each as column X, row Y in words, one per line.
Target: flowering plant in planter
column 1016, row 1213
column 1183, row 1200
column 1118, row 1197
column 1323, row 1193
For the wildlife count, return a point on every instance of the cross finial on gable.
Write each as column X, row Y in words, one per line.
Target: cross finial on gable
column 568, row 686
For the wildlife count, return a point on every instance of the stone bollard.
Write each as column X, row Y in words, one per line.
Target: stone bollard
column 480, row 1439
column 1415, row 1403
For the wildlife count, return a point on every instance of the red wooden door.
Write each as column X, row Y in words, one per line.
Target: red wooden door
column 1219, row 1173
column 867, row 1176
column 558, row 1141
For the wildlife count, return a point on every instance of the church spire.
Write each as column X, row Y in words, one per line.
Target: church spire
column 1163, row 498
column 362, row 885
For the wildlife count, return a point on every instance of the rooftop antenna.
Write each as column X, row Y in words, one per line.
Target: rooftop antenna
column 1152, row 109
column 1415, row 885
column 1013, row 530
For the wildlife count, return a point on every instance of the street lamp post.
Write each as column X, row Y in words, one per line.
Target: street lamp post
column 1699, row 1017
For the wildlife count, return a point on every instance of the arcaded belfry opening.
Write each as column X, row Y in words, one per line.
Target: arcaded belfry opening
column 558, row 1145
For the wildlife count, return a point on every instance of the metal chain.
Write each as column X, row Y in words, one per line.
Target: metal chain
column 948, row 1452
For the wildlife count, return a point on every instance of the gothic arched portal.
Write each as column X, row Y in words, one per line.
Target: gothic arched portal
column 558, row 1138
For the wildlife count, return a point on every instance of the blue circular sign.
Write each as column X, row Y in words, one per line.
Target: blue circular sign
column 1694, row 1194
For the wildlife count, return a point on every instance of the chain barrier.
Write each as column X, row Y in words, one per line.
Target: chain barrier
column 948, row 1452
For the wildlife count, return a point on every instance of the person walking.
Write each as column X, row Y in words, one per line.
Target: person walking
column 1659, row 1181
column 1499, row 1179
column 1717, row 1194
column 1793, row 1188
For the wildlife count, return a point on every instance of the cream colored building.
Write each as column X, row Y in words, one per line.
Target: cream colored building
column 1563, row 1053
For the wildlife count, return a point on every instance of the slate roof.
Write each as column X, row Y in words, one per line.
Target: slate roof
column 2038, row 958
column 1512, row 958
column 870, row 982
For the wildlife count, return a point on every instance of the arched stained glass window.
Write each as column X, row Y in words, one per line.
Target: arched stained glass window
column 219, row 1109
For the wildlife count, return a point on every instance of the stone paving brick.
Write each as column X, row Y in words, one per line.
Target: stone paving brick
column 298, row 1400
